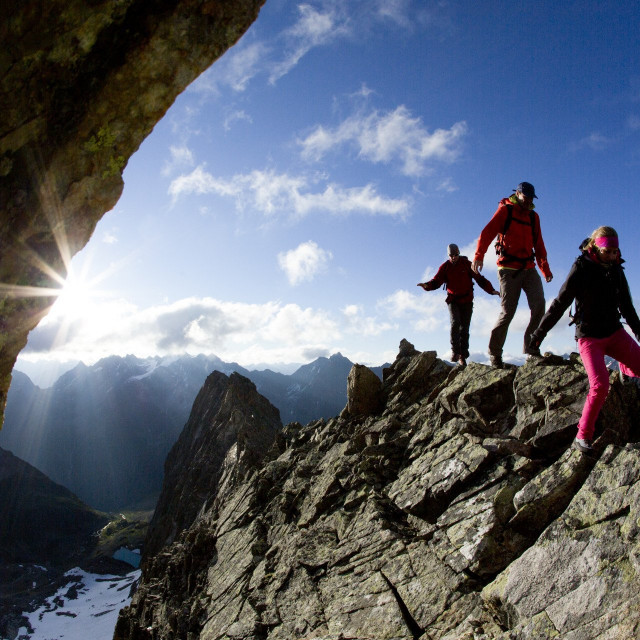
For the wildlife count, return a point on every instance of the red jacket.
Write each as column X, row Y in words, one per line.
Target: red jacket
column 520, row 241
column 458, row 278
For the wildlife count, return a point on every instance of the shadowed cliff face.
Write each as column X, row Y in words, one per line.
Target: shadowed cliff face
column 82, row 84
column 453, row 507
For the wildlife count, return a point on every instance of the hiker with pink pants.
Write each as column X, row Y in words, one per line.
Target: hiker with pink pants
column 599, row 287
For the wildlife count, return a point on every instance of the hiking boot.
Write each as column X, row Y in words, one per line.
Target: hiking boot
column 583, row 445
column 462, row 361
column 496, row 362
column 533, row 352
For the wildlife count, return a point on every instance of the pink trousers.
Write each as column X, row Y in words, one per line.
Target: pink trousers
column 620, row 346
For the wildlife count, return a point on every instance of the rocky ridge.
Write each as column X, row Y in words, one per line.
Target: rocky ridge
column 445, row 504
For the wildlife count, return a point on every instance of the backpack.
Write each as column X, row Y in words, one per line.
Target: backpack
column 499, row 246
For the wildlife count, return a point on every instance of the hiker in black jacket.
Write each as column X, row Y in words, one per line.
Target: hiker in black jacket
column 598, row 285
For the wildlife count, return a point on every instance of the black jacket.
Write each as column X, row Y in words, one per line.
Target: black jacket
column 602, row 295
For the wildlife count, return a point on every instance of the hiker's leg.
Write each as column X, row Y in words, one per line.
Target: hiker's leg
column 592, row 352
column 466, row 311
column 532, row 286
column 454, row 316
column 626, row 351
column 509, row 297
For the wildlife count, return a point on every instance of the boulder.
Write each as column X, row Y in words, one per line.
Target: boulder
column 364, row 392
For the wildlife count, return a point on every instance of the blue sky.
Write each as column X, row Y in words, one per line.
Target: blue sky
column 291, row 199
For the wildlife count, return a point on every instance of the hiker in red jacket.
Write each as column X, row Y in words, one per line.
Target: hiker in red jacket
column 519, row 247
column 456, row 273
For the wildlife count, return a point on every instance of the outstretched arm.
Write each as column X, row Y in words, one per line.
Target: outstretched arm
column 491, row 230
column 437, row 281
column 541, row 251
column 556, row 309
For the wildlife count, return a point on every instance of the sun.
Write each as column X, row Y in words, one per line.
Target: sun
column 74, row 298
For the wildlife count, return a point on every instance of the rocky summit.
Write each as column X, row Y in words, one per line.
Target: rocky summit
column 446, row 503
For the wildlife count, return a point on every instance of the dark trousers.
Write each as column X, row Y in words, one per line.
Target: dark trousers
column 460, row 315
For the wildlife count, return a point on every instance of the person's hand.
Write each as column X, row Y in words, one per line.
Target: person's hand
column 476, row 265
column 549, row 278
column 495, row 293
column 423, row 285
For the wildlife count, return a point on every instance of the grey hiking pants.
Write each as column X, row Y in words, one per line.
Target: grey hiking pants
column 511, row 283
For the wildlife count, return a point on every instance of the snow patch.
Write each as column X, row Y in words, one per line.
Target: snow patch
column 86, row 607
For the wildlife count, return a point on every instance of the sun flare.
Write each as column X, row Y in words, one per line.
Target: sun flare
column 73, row 299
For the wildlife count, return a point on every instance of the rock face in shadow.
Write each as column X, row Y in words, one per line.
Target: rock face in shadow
column 457, row 511
column 230, row 429
column 83, row 83
column 41, row 521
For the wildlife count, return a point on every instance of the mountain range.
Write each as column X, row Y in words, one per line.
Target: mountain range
column 104, row 431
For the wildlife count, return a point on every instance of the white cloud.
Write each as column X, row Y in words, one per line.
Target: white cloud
column 271, row 194
column 244, row 65
column 447, row 185
column 422, row 309
column 313, row 29
column 232, row 330
column 235, row 69
column 486, row 310
column 316, row 23
column 304, row 262
column 296, row 326
column 200, row 182
column 236, row 116
column 594, row 141
column 394, row 136
column 109, row 237
column 362, row 325
column 180, row 157
column 395, row 10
